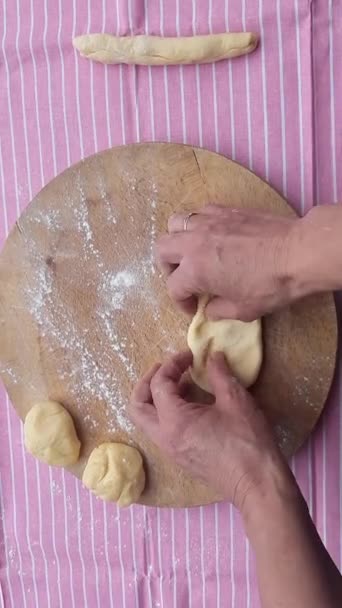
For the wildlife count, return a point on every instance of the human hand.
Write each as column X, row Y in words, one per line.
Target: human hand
column 242, row 258
column 228, row 445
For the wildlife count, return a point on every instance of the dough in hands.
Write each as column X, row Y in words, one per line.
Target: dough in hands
column 156, row 50
column 50, row 435
column 115, row 472
column 240, row 342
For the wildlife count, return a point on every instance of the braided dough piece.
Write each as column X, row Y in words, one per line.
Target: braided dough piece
column 240, row 342
column 156, row 50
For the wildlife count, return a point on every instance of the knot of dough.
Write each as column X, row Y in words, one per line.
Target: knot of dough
column 50, row 435
column 115, row 472
column 240, row 342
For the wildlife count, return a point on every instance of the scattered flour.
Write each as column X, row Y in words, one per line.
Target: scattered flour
column 115, row 287
column 94, row 378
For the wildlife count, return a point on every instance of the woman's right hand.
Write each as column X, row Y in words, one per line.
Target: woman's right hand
column 244, row 259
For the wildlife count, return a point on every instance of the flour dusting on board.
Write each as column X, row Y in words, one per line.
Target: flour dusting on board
column 115, row 287
column 94, row 376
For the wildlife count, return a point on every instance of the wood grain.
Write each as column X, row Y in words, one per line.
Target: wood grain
column 83, row 313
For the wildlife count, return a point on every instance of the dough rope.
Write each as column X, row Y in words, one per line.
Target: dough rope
column 156, row 50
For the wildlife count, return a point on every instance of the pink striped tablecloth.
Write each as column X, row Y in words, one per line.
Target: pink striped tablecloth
column 277, row 112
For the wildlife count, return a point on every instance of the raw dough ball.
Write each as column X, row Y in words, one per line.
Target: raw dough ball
column 115, row 472
column 50, row 435
column 156, row 50
column 240, row 342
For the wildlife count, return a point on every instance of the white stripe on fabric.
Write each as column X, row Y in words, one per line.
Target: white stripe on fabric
column 324, row 480
column 147, row 31
column 14, row 501
column 217, row 145
column 332, row 101
column 300, row 108
column 231, row 532
column 161, row 575
column 40, row 515
column 217, row 559
column 106, row 67
column 3, row 193
column 79, row 124
column 198, row 80
column 135, row 573
column 122, row 113
column 123, row 583
column 49, row 84
column 9, row 105
column 248, row 574
column 36, row 92
column 109, row 570
column 213, row 67
column 92, row 101
column 165, row 71
column 66, row 541
column 92, row 531
column 199, row 105
column 202, row 555
column 122, row 110
column 109, row 131
column 133, row 71
column 248, row 95
column 181, row 77
column 282, row 98
column 264, row 90
column 66, row 137
column 173, row 543
column 187, row 553
column 5, row 567
column 79, row 518
column 22, row 95
column 231, row 93
column 53, row 527
column 149, row 564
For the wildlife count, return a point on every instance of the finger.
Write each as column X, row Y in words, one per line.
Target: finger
column 218, row 210
column 178, row 221
column 221, row 308
column 180, row 291
column 142, row 391
column 169, row 248
column 219, row 375
column 165, row 267
column 165, row 385
column 145, row 416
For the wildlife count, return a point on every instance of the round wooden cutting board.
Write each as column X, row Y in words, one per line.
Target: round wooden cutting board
column 84, row 313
